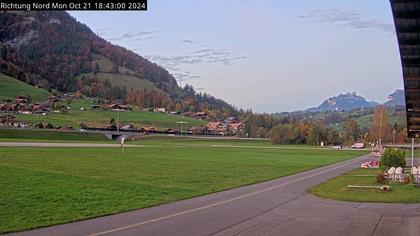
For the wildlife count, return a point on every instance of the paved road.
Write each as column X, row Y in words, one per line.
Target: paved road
column 277, row 207
column 47, row 144
column 29, row 144
column 75, row 144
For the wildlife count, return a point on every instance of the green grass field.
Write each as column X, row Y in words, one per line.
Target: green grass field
column 124, row 76
column 180, row 140
column 106, row 65
column 121, row 80
column 10, row 87
column 408, row 153
column 44, row 186
column 216, row 142
column 43, row 135
column 337, row 189
column 101, row 118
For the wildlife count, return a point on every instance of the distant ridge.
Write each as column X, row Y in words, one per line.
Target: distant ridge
column 351, row 100
column 396, row 98
column 343, row 102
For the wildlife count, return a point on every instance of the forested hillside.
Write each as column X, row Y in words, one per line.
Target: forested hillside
column 54, row 51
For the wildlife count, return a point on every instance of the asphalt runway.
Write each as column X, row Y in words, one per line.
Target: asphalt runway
column 45, row 144
column 127, row 144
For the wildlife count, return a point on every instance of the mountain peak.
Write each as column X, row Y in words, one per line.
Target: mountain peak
column 344, row 102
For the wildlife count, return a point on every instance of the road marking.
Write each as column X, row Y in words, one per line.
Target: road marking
column 222, row 202
column 265, row 147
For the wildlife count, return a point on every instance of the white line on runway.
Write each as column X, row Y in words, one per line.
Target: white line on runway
column 219, row 203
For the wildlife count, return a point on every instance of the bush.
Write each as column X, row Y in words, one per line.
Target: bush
column 393, row 157
column 380, row 178
column 408, row 179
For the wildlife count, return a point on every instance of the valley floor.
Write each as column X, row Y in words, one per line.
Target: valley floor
column 42, row 186
column 277, row 207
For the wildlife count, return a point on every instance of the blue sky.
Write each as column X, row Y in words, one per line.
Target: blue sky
column 270, row 56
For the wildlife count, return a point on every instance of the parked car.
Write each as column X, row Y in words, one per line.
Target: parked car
column 358, row 145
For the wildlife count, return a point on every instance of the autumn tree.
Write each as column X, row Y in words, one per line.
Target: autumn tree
column 316, row 135
column 332, row 137
column 261, row 132
column 178, row 107
column 284, row 134
column 77, row 94
column 351, row 131
column 403, row 136
column 380, row 130
column 290, row 133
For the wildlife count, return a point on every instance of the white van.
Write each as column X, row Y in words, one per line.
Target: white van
column 358, row 145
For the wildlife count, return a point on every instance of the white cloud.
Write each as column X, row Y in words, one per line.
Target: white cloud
column 350, row 19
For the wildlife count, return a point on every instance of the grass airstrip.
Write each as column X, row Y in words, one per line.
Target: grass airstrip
column 45, row 186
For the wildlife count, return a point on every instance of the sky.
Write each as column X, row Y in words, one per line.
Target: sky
column 268, row 55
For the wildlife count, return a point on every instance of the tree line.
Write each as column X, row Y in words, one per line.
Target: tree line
column 295, row 128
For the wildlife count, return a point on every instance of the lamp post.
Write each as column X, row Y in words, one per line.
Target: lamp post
column 380, row 134
column 412, row 149
column 412, row 152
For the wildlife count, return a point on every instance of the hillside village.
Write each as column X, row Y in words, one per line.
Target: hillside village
column 57, row 104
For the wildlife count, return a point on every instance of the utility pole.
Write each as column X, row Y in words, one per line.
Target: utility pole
column 412, row 152
column 7, row 115
column 118, row 121
column 380, row 133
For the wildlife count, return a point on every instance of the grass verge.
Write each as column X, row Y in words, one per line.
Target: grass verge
column 337, row 189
